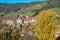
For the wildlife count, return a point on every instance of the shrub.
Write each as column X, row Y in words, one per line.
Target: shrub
column 46, row 25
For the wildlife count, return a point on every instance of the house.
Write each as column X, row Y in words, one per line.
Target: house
column 9, row 22
column 58, row 31
column 31, row 19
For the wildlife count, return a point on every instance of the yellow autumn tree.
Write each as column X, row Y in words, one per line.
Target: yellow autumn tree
column 46, row 25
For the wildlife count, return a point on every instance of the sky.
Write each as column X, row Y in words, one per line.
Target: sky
column 18, row 1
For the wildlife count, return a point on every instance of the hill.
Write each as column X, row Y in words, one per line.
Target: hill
column 27, row 8
column 6, row 7
column 31, row 9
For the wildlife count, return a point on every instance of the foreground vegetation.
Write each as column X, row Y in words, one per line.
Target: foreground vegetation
column 46, row 25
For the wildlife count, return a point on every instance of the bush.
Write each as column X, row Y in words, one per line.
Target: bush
column 46, row 25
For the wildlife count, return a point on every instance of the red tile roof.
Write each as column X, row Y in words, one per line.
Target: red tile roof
column 22, row 18
column 31, row 17
column 31, row 27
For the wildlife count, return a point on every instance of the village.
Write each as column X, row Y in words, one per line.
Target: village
column 25, row 24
